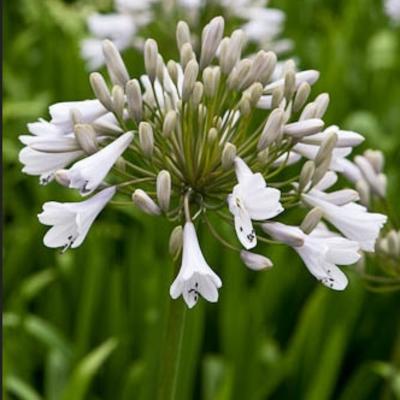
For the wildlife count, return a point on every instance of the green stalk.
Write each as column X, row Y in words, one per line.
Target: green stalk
column 171, row 357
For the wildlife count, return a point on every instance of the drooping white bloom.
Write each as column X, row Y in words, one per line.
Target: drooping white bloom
column 392, row 9
column 352, row 219
column 321, row 251
column 71, row 221
column 251, row 199
column 344, row 138
column 373, row 176
column 195, row 276
column 87, row 174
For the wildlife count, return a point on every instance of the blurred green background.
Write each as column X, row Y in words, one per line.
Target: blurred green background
column 88, row 324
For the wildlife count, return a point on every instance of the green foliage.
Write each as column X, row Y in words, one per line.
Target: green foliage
column 90, row 323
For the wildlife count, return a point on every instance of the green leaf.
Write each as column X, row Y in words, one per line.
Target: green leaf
column 21, row 389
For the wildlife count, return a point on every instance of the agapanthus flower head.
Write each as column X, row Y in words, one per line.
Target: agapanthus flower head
column 125, row 26
column 211, row 138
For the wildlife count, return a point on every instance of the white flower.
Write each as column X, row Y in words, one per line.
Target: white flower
column 392, row 9
column 195, row 276
column 350, row 170
column 321, row 251
column 353, row 220
column 71, row 221
column 344, row 138
column 251, row 199
column 254, row 261
column 87, row 174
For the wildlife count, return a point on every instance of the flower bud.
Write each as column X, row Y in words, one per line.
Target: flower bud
column 134, row 100
column 186, row 54
column 393, row 243
column 376, row 158
column 306, row 175
column 210, row 40
column 211, row 77
column 271, row 130
column 290, row 84
column 86, row 137
column 176, row 241
column 255, row 261
column 212, row 136
column 197, row 94
column 115, row 65
column 263, row 156
column 169, row 124
column 269, row 64
column 363, row 191
column 228, row 156
column 101, row 90
column 238, row 75
column 277, row 96
column 311, row 220
column 146, row 138
column 230, row 51
column 301, row 97
column 143, row 201
column 255, row 92
column 283, row 234
column 189, row 79
column 326, row 148
column 118, row 100
column 182, row 34
column 151, row 58
column 321, row 103
column 62, row 177
column 303, row 128
column 309, row 111
column 164, row 189
column 245, row 105
column 160, row 68
column 321, row 169
column 172, row 69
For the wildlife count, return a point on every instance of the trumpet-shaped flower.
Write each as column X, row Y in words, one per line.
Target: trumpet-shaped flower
column 87, row 174
column 71, row 221
column 321, row 251
column 195, row 277
column 251, row 199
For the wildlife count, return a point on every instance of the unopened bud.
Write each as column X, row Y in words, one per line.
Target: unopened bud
column 176, row 241
column 239, row 73
column 283, row 233
column 311, row 220
column 86, row 137
column 211, row 77
column 146, row 138
column 245, row 105
column 76, row 116
column 290, row 84
column 101, row 90
column 115, row 65
column 151, row 58
column 277, row 96
column 173, row 71
column 271, row 129
column 376, row 158
column 326, row 148
column 321, row 103
column 62, row 177
column 321, row 169
column 189, row 79
column 393, row 243
column 303, row 128
column 182, row 34
column 160, row 69
column 228, row 156
column 306, row 175
column 263, row 156
column 210, row 40
column 301, row 97
column 164, row 189
column 118, row 100
column 362, row 188
column 255, row 92
column 169, row 123
column 309, row 111
column 186, row 54
column 212, row 135
column 134, row 100
column 268, row 67
column 255, row 261
column 197, row 94
column 143, row 201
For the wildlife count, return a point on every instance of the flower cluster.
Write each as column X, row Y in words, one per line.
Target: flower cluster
column 133, row 18
column 213, row 138
column 392, row 10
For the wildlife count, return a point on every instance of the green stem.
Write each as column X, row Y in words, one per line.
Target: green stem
column 170, row 362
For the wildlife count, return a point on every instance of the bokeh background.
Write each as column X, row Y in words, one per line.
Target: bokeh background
column 88, row 324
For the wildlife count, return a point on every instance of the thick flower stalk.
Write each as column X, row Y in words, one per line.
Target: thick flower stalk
column 210, row 139
column 132, row 19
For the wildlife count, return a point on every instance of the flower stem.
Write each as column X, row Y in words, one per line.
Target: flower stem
column 171, row 357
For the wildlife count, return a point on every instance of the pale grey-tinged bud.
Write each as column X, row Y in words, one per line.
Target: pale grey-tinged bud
column 86, row 137
column 76, row 116
column 288, row 66
column 290, row 84
column 277, row 97
column 169, row 124
column 321, row 104
column 176, row 241
column 223, row 54
column 228, row 156
column 303, row 128
column 255, row 92
column 311, row 220
column 172, row 69
column 101, row 90
column 245, row 104
column 210, row 40
column 282, row 234
column 306, row 175
column 115, row 65
column 143, row 201
column 146, row 138
column 321, row 169
column 186, row 54
column 160, row 69
column 272, row 129
column 376, row 181
column 239, row 73
column 62, row 177
column 202, row 114
column 254, row 261
column 134, row 100
column 263, row 156
column 268, row 67
column 230, row 51
column 189, row 79
column 309, row 111
column 197, row 94
column 302, row 94
column 376, row 158
column 118, row 100
column 182, row 34
column 212, row 136
column 362, row 188
column 211, row 77
column 151, row 58
column 164, row 189
column 326, row 148
column 393, row 243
